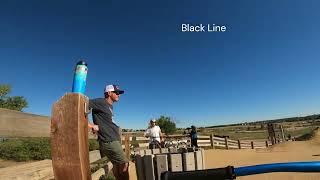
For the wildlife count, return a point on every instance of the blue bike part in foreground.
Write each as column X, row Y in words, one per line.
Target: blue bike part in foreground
column 231, row 173
column 278, row 167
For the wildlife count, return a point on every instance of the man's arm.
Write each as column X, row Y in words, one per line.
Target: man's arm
column 93, row 127
column 146, row 133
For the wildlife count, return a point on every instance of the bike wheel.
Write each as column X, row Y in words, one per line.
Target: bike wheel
column 168, row 144
column 182, row 145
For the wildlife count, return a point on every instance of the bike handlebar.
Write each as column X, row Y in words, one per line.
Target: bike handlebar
column 279, row 167
column 230, row 172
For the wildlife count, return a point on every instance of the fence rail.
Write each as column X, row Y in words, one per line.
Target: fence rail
column 138, row 142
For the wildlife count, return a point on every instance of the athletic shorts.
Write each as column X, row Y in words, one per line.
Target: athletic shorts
column 114, row 152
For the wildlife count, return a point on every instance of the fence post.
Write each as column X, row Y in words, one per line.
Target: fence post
column 239, row 144
column 226, row 142
column 267, row 145
column 252, row 147
column 127, row 145
column 211, row 141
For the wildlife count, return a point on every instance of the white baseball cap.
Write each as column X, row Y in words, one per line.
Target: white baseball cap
column 113, row 88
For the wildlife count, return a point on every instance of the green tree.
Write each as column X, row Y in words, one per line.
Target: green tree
column 14, row 102
column 166, row 124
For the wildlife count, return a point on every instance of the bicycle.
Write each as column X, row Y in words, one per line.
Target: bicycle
column 177, row 144
column 154, row 144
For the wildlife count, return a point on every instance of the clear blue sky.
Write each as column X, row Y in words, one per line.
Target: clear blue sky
column 265, row 66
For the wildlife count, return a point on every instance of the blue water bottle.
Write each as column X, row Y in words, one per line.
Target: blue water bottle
column 80, row 77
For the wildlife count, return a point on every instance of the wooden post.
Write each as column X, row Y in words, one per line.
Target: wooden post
column 149, row 167
column 198, row 160
column 127, row 145
column 239, row 144
column 161, row 164
column 267, row 145
column 283, row 137
column 188, row 161
column 140, row 167
column 69, row 138
column 211, row 141
column 175, row 162
column 252, row 147
column 226, row 142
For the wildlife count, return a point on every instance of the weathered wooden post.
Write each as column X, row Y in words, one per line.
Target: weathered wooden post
column 226, row 142
column 211, row 141
column 239, row 144
column 127, row 145
column 69, row 138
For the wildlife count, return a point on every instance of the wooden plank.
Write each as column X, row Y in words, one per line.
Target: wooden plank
column 127, row 145
column 94, row 156
column 96, row 175
column 140, row 167
column 162, row 164
column 69, row 138
column 198, row 160
column 155, row 151
column 147, row 151
column 175, row 162
column 218, row 139
column 230, row 141
column 164, row 150
column 173, row 150
column 188, row 161
column 149, row 167
column 204, row 141
column 203, row 158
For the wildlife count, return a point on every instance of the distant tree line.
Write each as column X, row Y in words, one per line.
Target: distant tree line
column 11, row 102
column 292, row 119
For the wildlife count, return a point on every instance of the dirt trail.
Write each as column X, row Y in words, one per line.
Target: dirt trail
column 296, row 151
column 292, row 151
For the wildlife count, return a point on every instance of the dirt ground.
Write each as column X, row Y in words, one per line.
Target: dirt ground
column 296, row 151
column 7, row 163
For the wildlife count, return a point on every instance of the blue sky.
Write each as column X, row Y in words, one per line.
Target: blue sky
column 265, row 66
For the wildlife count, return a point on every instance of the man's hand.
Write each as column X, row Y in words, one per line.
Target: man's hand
column 93, row 127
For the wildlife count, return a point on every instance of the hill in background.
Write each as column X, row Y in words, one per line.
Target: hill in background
column 20, row 124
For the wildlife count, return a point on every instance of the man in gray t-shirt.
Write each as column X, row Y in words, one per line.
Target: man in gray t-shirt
column 108, row 132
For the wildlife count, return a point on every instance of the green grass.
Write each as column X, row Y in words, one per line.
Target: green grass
column 26, row 149
column 299, row 132
column 253, row 132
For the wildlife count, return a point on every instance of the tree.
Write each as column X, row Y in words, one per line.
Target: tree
column 14, row 102
column 166, row 124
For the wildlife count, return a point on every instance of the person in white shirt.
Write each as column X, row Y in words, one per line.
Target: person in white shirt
column 155, row 135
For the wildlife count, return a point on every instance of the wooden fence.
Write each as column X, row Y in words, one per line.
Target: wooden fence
column 150, row 164
column 132, row 143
